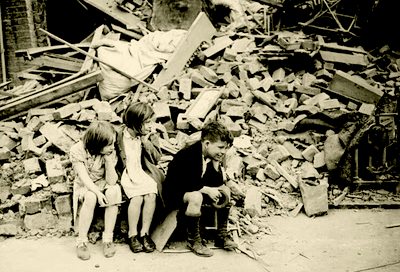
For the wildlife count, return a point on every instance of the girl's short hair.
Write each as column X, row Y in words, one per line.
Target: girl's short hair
column 97, row 136
column 215, row 131
column 136, row 114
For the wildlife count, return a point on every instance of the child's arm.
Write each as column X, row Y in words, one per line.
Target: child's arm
column 133, row 152
column 83, row 175
column 111, row 173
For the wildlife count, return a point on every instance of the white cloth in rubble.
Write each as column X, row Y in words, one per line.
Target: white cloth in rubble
column 136, row 58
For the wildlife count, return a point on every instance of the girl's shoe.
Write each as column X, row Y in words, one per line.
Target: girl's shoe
column 108, row 249
column 135, row 245
column 82, row 251
column 148, row 244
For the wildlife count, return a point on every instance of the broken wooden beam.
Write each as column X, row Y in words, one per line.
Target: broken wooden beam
column 88, row 62
column 163, row 232
column 111, row 8
column 99, row 60
column 354, row 87
column 39, row 50
column 24, row 103
column 126, row 32
column 344, row 58
column 201, row 30
column 58, row 63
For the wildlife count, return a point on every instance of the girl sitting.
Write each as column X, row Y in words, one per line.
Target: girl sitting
column 141, row 179
column 94, row 160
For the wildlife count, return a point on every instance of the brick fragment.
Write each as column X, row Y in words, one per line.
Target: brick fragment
column 185, row 87
column 208, row 74
column 55, row 171
column 271, row 172
column 252, row 202
column 66, row 111
column 63, row 205
column 319, row 159
column 310, row 152
column 329, row 104
column 5, row 153
column 6, row 141
column 21, row 187
column 32, row 165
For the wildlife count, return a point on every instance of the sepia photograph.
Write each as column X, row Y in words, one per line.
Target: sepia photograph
column 199, row 135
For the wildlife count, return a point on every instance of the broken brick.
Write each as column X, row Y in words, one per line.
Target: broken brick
column 55, row 171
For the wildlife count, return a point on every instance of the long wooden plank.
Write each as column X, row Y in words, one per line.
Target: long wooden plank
column 111, row 8
column 354, row 87
column 128, row 33
column 201, row 30
column 344, row 58
column 87, row 64
column 62, row 81
column 39, row 50
column 163, row 232
column 58, row 63
column 50, row 94
column 335, row 46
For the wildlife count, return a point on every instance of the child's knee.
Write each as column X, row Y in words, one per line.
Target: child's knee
column 113, row 194
column 150, row 197
column 90, row 199
column 193, row 198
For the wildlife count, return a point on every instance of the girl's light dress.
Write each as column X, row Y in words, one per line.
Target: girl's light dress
column 135, row 182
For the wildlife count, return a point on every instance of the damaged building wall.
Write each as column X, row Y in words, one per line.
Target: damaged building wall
column 21, row 21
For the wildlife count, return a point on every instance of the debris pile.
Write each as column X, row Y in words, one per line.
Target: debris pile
column 293, row 102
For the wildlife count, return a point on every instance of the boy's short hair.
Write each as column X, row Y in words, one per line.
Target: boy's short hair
column 215, row 131
column 97, row 136
column 136, row 114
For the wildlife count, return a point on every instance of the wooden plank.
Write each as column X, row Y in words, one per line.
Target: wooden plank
column 203, row 103
column 27, row 75
column 18, row 98
column 4, row 84
column 343, row 48
column 343, row 58
column 164, row 231
column 359, row 204
column 126, row 32
column 39, row 50
column 354, row 87
column 111, row 9
column 38, row 98
column 58, row 63
column 220, row 43
column 88, row 62
column 201, row 30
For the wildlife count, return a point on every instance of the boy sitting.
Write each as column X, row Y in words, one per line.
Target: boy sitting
column 195, row 177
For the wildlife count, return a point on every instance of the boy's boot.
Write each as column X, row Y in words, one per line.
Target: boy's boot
column 223, row 239
column 194, row 238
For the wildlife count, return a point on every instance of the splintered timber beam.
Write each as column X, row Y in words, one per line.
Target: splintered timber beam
column 98, row 59
column 24, row 103
column 201, row 30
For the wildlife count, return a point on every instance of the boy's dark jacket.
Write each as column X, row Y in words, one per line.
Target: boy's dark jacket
column 184, row 174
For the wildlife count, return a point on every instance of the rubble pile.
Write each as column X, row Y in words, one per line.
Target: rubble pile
column 286, row 96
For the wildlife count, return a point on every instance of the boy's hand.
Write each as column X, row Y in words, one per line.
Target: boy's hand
column 214, row 193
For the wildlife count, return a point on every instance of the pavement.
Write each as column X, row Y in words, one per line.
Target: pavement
column 343, row 240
